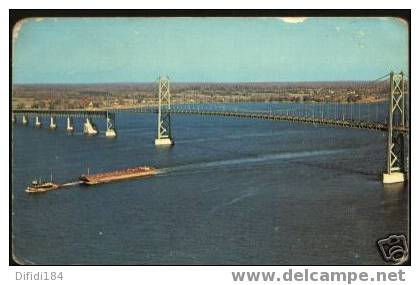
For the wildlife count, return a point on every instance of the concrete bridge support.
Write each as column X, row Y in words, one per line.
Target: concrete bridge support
column 13, row 118
column 38, row 122
column 164, row 136
column 110, row 131
column 396, row 118
column 53, row 123
column 25, row 119
column 89, row 127
column 70, row 126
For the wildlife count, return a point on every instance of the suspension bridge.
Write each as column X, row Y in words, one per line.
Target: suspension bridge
column 387, row 115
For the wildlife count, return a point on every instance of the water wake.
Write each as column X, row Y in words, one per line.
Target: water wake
column 71, row 183
column 246, row 160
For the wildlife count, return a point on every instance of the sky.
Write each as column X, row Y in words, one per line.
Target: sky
column 105, row 50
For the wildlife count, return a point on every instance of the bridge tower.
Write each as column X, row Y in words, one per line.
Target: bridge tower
column 396, row 119
column 164, row 136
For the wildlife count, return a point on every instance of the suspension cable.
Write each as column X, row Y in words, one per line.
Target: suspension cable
column 380, row 78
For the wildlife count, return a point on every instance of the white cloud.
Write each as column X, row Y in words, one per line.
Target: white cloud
column 293, row 20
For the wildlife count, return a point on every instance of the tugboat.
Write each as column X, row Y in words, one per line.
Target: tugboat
column 39, row 186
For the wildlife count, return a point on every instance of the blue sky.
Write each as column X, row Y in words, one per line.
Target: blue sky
column 89, row 50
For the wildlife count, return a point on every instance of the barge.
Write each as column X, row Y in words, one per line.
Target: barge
column 117, row 175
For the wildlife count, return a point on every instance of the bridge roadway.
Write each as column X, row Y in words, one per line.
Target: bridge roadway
column 238, row 114
column 276, row 117
column 65, row 113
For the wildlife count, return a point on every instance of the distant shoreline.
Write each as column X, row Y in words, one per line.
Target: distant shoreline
column 127, row 96
column 200, row 103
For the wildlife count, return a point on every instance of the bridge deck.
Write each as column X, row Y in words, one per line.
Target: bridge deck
column 278, row 117
column 64, row 113
column 241, row 114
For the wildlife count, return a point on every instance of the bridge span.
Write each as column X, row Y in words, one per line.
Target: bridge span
column 262, row 115
column 274, row 117
column 88, row 127
column 396, row 126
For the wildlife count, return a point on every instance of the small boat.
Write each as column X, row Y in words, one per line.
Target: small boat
column 39, row 186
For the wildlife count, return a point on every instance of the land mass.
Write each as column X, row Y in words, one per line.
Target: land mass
column 133, row 95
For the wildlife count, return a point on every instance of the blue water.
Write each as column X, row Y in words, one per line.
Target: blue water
column 230, row 191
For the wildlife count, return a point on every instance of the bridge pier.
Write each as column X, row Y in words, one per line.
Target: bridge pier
column 395, row 148
column 13, row 118
column 38, row 122
column 393, row 177
column 25, row 119
column 89, row 128
column 110, row 131
column 164, row 136
column 70, row 126
column 53, row 123
column 164, row 141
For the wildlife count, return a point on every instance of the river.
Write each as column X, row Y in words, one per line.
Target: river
column 230, row 191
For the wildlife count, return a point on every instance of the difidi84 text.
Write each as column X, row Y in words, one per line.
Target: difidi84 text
column 41, row 275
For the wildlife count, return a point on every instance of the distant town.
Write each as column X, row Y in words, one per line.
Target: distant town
column 135, row 95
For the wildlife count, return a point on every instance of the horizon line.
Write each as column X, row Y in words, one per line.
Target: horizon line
column 189, row 82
